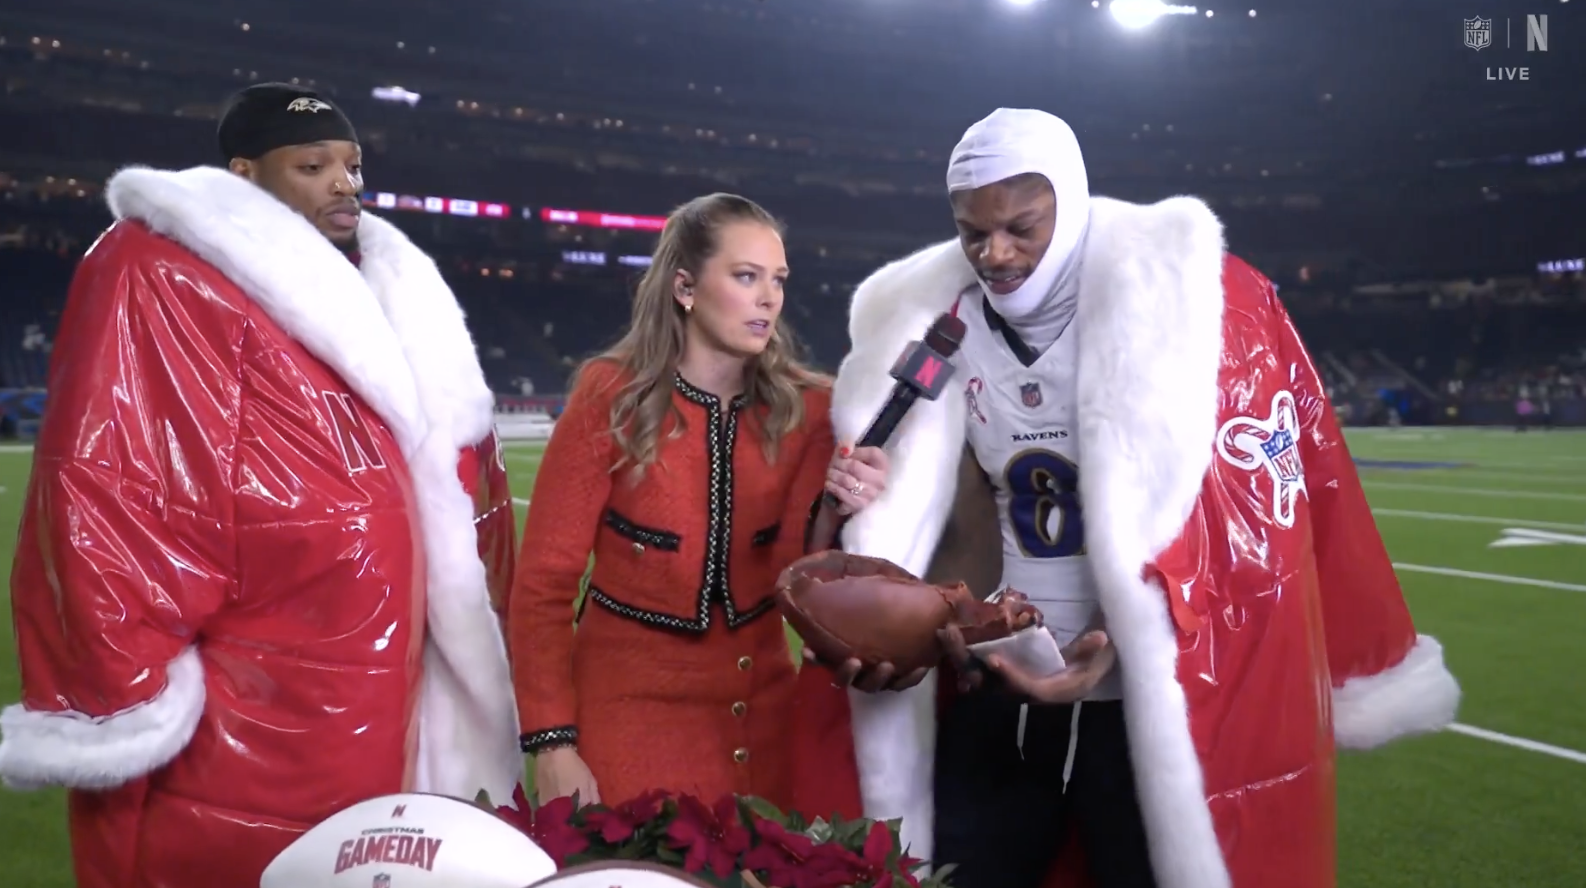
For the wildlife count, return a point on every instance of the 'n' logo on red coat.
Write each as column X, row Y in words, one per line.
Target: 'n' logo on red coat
column 358, row 450
column 1272, row 444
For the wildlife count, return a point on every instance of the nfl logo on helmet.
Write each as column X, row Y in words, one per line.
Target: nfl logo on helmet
column 1030, row 394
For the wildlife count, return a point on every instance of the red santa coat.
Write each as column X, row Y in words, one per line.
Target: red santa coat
column 1257, row 618
column 249, row 589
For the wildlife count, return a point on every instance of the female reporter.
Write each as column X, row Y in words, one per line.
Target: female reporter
column 686, row 462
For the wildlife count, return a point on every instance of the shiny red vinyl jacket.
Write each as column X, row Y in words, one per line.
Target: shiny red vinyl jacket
column 1258, row 620
column 256, row 562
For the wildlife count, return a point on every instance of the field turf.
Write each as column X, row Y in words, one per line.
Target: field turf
column 1488, row 531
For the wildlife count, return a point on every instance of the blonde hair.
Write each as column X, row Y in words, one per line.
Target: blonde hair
column 649, row 352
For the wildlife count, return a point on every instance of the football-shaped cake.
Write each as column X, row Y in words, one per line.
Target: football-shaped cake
column 852, row 607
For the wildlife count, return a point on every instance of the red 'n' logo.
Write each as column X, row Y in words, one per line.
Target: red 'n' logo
column 358, row 450
column 927, row 372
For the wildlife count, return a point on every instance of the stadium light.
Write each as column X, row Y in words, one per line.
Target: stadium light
column 1137, row 14
column 1022, row 2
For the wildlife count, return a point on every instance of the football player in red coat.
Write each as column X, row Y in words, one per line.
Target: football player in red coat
column 266, row 522
column 1171, row 487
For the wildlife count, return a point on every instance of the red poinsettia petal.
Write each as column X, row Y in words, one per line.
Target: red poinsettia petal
column 613, row 827
column 697, row 858
column 644, row 808
column 723, row 861
column 878, row 844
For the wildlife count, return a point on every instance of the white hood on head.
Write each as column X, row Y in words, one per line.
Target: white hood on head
column 1011, row 142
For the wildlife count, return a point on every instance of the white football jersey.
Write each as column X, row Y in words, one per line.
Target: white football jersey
column 1022, row 430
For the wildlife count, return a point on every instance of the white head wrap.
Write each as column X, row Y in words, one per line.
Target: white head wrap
column 1010, row 142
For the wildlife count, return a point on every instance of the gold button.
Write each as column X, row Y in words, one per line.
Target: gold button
column 638, row 548
column 740, row 755
column 740, row 708
column 744, row 663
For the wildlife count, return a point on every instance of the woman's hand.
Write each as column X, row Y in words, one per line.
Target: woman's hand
column 561, row 772
column 857, row 477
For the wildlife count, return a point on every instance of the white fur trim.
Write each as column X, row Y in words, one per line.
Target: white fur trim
column 39, row 749
column 391, row 328
column 1416, row 696
column 1150, row 340
column 894, row 733
column 1150, row 348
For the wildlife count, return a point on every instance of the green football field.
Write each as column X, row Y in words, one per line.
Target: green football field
column 1488, row 531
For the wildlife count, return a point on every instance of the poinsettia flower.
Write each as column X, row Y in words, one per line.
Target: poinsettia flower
column 520, row 813
column 709, row 837
column 873, row 859
column 618, row 824
column 780, row 854
column 830, row 865
column 554, row 831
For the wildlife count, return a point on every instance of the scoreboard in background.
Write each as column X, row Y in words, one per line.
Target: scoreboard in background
column 460, row 206
column 447, row 206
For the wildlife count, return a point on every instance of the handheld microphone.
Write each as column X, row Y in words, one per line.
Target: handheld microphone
column 922, row 371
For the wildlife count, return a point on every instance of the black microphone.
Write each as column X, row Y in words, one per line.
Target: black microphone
column 922, row 371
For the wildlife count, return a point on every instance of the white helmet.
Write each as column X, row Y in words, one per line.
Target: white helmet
column 411, row 840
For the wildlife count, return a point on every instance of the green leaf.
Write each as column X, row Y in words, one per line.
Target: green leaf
column 483, row 800
column 669, row 855
column 851, row 834
column 762, row 808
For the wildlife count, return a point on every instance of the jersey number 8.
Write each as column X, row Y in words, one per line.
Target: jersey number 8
column 1043, row 504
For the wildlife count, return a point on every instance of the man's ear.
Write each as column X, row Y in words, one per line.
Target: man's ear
column 244, row 168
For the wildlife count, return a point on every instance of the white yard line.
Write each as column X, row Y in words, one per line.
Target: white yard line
column 1477, row 491
column 1519, row 743
column 520, row 501
column 1478, row 519
column 1502, row 476
column 1490, row 577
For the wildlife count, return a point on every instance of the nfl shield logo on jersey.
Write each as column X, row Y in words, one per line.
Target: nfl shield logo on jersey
column 1030, row 394
column 1271, row 444
column 381, row 881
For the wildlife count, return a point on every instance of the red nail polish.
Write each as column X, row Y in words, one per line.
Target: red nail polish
column 844, row 452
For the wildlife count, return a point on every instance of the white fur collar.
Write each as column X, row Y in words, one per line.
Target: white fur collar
column 393, row 331
column 357, row 319
column 1150, row 340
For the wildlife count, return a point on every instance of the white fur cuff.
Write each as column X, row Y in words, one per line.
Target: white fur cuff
column 1417, row 696
column 39, row 749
